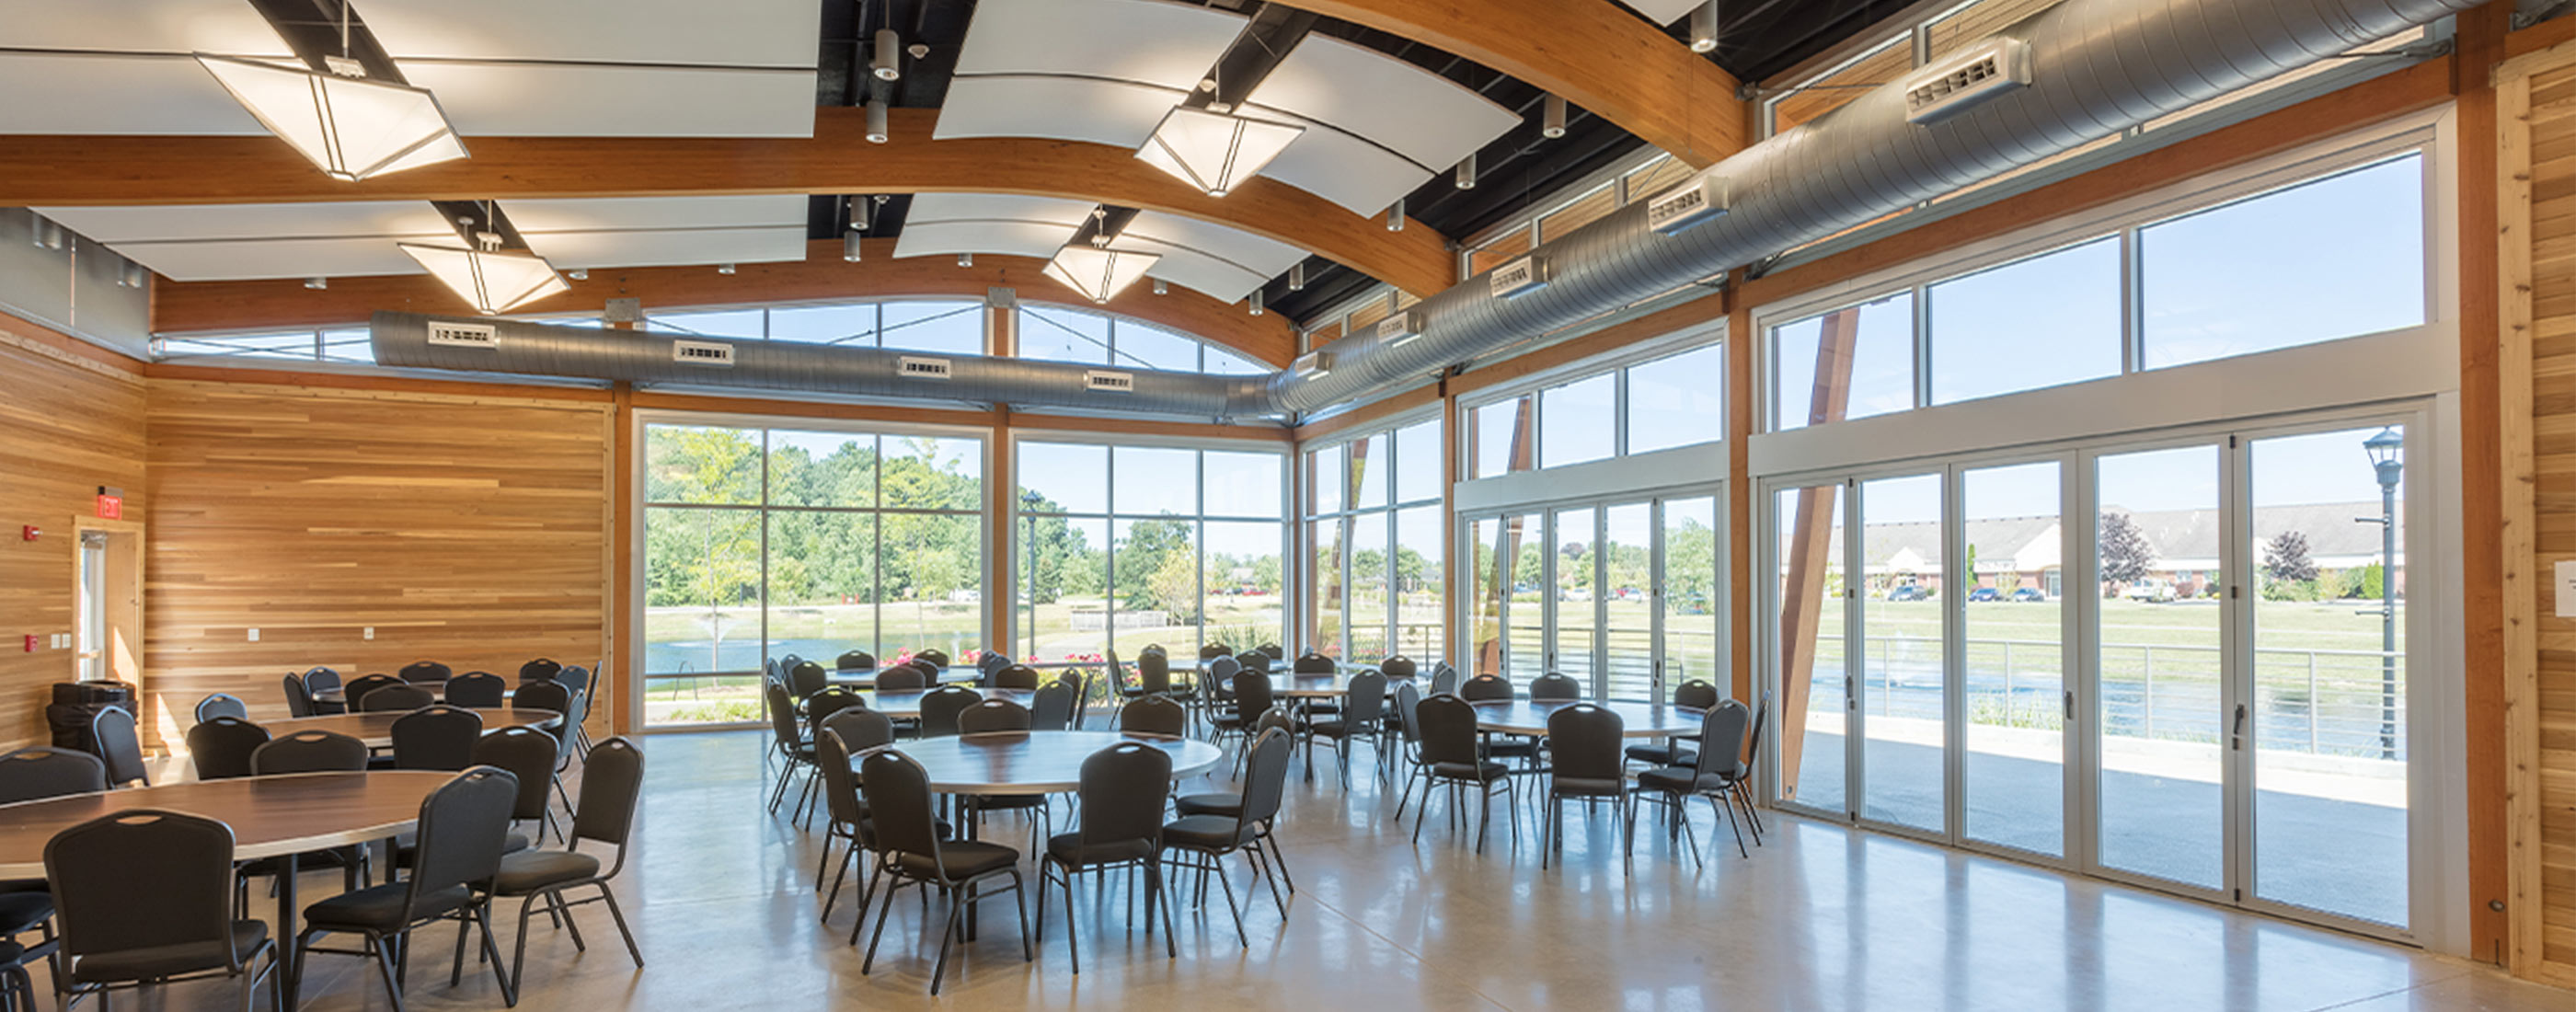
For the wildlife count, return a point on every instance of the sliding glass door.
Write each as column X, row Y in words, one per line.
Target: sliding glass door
column 2160, row 658
column 1904, row 679
column 1623, row 597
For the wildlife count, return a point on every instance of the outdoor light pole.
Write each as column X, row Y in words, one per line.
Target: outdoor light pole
column 2387, row 458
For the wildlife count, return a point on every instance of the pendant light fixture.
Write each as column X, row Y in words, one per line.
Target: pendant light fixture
column 495, row 272
column 1202, row 142
column 1090, row 264
column 350, row 124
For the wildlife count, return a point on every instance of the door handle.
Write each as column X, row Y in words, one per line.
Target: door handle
column 2236, row 738
column 2070, row 705
column 1850, row 702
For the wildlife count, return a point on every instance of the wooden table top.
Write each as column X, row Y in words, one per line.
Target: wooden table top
column 868, row 679
column 1037, row 762
column 341, row 695
column 1317, row 686
column 907, row 702
column 270, row 816
column 1529, row 717
column 377, row 729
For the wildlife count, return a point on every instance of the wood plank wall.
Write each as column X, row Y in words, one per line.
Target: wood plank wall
column 471, row 530
column 68, row 424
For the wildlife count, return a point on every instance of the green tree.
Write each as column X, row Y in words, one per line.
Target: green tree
column 2126, row 556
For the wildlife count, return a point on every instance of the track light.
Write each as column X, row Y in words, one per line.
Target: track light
column 317, row 284
column 725, row 269
column 1551, row 121
column 888, row 64
column 965, row 260
column 1467, row 172
column 1160, row 288
column 1703, row 33
column 877, row 133
column 850, row 245
column 1256, row 302
column 47, row 234
column 133, row 275
column 1395, row 215
column 578, row 273
column 1297, row 276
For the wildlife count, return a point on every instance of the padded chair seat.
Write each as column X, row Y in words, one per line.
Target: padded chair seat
column 1482, row 770
column 965, row 859
column 530, row 871
column 1512, row 748
column 23, row 911
column 1206, row 832
column 170, row 960
column 1225, row 803
column 1227, row 721
column 1678, row 780
column 1336, row 728
column 403, row 847
column 1661, row 755
column 1587, row 787
column 379, row 908
column 1068, row 848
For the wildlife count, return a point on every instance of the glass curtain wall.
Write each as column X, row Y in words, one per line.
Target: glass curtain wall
column 1374, row 525
column 1127, row 546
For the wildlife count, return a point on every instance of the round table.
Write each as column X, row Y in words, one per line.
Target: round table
column 1641, row 720
column 906, row 703
column 1318, row 686
column 377, row 728
column 341, row 695
column 868, row 679
column 1037, row 762
column 272, row 817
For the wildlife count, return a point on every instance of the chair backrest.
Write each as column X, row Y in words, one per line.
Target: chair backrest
column 860, row 728
column 529, row 754
column 1252, row 660
column 221, row 704
column 1052, row 708
column 545, row 695
column 1486, row 687
column 39, row 772
column 436, row 738
column 897, row 790
column 576, row 712
column 1398, row 667
column 1408, row 700
column 991, row 662
column 1364, row 699
column 299, row 696
column 1313, row 663
column 1276, row 717
column 855, row 660
column 934, row 657
column 393, row 698
column 359, row 687
column 807, row 678
column 993, row 715
column 543, row 669
column 1583, row 743
column 940, row 707
column 1448, row 729
column 143, row 879
column 1153, row 672
column 1555, row 686
column 833, row 699
column 417, row 672
column 1444, row 679
column 1251, row 695
column 1272, row 651
column 1696, row 694
column 1214, row 649
column 477, row 688
column 321, row 679
column 782, row 716
column 1721, row 737
column 1154, row 715
column 575, row 678
column 221, row 747
column 310, row 752
column 1016, row 676
column 1122, row 793
column 1220, row 672
column 1080, row 683
column 901, row 676
column 840, row 782
column 1265, row 778
column 1753, row 741
column 112, row 729
column 463, row 829
column 612, row 778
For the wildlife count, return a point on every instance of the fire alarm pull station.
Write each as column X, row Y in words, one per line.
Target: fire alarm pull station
column 29, row 533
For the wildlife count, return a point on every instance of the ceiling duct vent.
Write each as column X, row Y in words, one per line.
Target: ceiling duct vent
column 1311, row 364
column 925, row 368
column 1699, row 200
column 702, row 353
column 1959, row 83
column 1113, row 382
column 1518, row 278
column 464, row 335
column 1404, row 325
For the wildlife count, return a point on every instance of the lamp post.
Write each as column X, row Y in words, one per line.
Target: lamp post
column 2387, row 452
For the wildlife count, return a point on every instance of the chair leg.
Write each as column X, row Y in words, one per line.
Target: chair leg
column 385, row 967
column 1020, row 898
column 1274, row 883
column 1270, row 842
column 947, row 937
column 1714, row 807
column 883, row 916
column 1154, row 889
column 1230, row 905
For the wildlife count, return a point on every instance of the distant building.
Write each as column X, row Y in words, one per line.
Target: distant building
column 2016, row 552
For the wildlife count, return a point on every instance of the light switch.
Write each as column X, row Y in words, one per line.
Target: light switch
column 371, row 632
column 2566, row 572
column 254, row 634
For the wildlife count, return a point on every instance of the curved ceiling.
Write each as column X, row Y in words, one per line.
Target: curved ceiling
column 1224, row 263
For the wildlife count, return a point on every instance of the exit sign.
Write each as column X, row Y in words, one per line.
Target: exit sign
column 111, row 507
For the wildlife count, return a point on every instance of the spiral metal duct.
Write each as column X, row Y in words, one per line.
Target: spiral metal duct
column 2097, row 67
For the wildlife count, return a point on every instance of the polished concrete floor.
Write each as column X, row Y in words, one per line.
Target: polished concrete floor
column 1819, row 917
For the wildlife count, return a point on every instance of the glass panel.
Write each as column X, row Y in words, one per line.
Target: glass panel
column 1226, row 363
column 1368, row 636
column 1062, row 335
column 1488, row 542
column 2015, row 791
column 1324, row 632
column 1978, row 20
column 1155, row 481
column 1418, row 476
column 1063, row 478
column 1524, row 555
column 1903, row 676
column 2157, row 546
column 349, row 346
column 2033, row 323
column 1657, row 175
column 855, row 326
column 822, row 584
column 1245, row 608
column 297, row 345
column 1677, row 401
column 1241, row 484
column 1828, row 92
column 933, row 472
column 1325, row 470
column 1628, row 603
column 701, row 614
column 1144, row 346
column 1577, row 629
column 1690, row 593
column 734, row 323
column 1491, row 255
column 2338, row 257
column 1158, row 586
column 1420, row 624
column 2329, row 706
column 1576, row 421
column 1813, row 708
column 953, row 328
column 822, row 469
column 933, row 568
column 1582, row 211
column 1369, row 468
column 691, row 464
column 1064, row 588
column 1872, row 353
column 1503, row 434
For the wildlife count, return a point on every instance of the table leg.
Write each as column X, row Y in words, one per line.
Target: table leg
column 290, row 961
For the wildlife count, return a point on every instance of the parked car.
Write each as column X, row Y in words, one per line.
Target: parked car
column 1910, row 592
column 2029, row 594
column 2152, row 591
column 1985, row 594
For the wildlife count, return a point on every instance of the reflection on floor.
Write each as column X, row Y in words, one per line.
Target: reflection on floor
column 1819, row 918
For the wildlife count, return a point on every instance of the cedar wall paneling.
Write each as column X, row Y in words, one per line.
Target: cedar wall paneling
column 467, row 530
column 68, row 424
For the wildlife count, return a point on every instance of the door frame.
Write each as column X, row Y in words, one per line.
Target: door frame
column 1543, row 515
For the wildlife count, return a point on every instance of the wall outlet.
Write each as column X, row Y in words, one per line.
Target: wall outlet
column 254, row 635
column 371, row 632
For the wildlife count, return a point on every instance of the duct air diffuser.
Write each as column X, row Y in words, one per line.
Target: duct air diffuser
column 712, row 353
column 1971, row 76
column 925, row 368
column 1699, row 200
column 1111, row 382
column 463, row 335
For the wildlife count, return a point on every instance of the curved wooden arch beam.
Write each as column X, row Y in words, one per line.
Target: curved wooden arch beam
column 285, row 304
column 85, row 171
column 1592, row 52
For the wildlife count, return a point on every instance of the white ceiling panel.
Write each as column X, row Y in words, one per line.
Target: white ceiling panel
column 655, row 212
column 350, row 219
column 1418, row 113
column 1018, row 238
column 773, row 33
column 671, row 248
column 247, row 259
column 85, row 94
column 1345, row 170
column 1266, row 257
column 1664, row 12
column 1169, row 44
column 962, row 207
column 1208, row 275
column 1074, row 109
column 522, row 100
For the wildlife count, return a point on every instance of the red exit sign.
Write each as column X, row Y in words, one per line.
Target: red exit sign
column 111, row 507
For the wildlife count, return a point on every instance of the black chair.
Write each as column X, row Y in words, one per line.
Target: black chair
column 299, row 696
column 1753, row 754
column 1153, row 715
column 1365, row 701
column 1272, row 651
column 436, row 738
column 1313, row 663
column 309, row 752
column 396, row 699
column 1214, row 649
column 221, row 748
column 1205, row 840
column 901, row 677
column 1485, row 688
column 911, row 853
column 545, row 695
column 833, row 699
column 39, row 772
column 1450, row 756
column 463, row 827
column 1251, row 699
column 1716, row 776
column 575, row 679
column 1555, row 687
column 993, row 716
column 1153, row 675
column 933, row 657
column 806, row 679
column 221, row 704
column 1398, row 668
column 991, row 662
column 611, row 779
column 1444, row 679
column 855, row 660
column 990, row 715
column 1696, row 694
column 940, row 707
column 1218, row 676
column 1074, row 679
column 543, row 669
column 788, row 742
column 848, row 733
column 1052, row 708
column 319, row 680
column 112, row 729
column 1016, row 676
column 1584, row 765
column 1408, row 703
column 1122, row 827
column 1254, row 660
column 144, row 899
column 477, row 689
column 425, row 672
column 528, row 755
